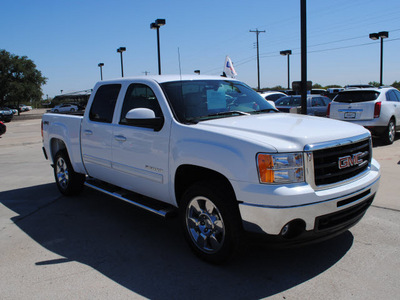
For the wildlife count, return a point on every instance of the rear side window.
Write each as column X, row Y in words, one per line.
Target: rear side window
column 391, row 96
column 358, row 96
column 103, row 105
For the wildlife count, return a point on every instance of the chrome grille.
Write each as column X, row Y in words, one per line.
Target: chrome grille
column 342, row 162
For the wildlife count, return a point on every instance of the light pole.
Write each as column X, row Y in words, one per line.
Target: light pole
column 156, row 25
column 120, row 50
column 287, row 53
column 101, row 70
column 376, row 36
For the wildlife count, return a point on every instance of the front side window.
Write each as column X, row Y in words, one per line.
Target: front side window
column 103, row 105
column 139, row 96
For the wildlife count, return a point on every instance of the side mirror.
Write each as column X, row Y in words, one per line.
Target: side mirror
column 144, row 117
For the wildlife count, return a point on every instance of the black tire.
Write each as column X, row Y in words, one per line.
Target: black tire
column 211, row 221
column 56, row 110
column 390, row 133
column 68, row 181
column 72, row 109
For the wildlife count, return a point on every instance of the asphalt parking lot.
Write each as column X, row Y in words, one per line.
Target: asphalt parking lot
column 95, row 247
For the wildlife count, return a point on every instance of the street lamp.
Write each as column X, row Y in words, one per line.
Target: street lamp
column 287, row 53
column 120, row 50
column 197, row 72
column 156, row 25
column 376, row 36
column 101, row 70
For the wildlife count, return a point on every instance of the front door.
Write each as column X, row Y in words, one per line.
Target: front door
column 140, row 155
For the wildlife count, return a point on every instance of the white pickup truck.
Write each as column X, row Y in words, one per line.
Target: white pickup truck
column 218, row 153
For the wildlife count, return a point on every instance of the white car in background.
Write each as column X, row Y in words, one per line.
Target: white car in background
column 271, row 97
column 377, row 109
column 64, row 108
column 24, row 107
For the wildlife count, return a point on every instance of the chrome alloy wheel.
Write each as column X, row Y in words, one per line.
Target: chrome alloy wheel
column 62, row 173
column 391, row 131
column 205, row 224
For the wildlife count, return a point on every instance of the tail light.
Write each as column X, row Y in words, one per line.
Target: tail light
column 328, row 112
column 377, row 110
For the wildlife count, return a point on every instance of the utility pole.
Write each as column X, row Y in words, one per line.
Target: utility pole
column 303, row 21
column 257, row 32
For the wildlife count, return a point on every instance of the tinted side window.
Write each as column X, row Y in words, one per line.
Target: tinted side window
column 390, row 96
column 397, row 94
column 139, row 96
column 103, row 105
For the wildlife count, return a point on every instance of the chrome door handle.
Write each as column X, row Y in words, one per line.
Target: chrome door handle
column 88, row 132
column 120, row 138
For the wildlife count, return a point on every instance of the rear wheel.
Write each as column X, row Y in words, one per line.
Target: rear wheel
column 390, row 133
column 211, row 221
column 68, row 181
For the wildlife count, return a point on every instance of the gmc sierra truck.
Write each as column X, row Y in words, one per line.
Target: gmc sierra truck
column 218, row 154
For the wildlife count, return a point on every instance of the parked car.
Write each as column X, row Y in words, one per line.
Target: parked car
column 317, row 105
column 3, row 128
column 14, row 110
column 175, row 145
column 24, row 107
column 377, row 109
column 273, row 96
column 65, row 108
column 6, row 114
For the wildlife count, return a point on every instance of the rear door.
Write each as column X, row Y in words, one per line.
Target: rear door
column 393, row 97
column 317, row 107
column 97, row 132
column 354, row 105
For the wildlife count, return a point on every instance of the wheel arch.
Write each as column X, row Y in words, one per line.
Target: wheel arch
column 186, row 175
column 55, row 146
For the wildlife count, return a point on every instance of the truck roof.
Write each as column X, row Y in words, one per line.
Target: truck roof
column 167, row 78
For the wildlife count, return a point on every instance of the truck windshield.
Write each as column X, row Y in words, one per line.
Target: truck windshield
column 199, row 100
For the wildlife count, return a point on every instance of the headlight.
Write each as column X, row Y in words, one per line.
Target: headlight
column 280, row 168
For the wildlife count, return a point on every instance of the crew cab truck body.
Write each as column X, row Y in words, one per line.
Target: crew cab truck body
column 217, row 152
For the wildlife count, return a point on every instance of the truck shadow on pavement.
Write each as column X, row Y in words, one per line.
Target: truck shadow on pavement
column 148, row 255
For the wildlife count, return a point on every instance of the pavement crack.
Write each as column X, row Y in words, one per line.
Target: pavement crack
column 20, row 218
column 387, row 208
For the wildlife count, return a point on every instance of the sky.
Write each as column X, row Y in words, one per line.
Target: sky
column 68, row 39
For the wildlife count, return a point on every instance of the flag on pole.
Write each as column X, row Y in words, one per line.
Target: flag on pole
column 229, row 70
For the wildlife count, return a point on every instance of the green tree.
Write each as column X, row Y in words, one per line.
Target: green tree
column 317, row 86
column 333, row 86
column 19, row 79
column 374, row 83
column 396, row 84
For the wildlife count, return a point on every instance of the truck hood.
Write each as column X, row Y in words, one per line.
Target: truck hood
column 283, row 132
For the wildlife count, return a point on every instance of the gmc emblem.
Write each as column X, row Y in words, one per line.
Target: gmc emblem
column 350, row 160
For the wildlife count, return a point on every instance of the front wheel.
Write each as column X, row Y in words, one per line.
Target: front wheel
column 211, row 221
column 390, row 133
column 68, row 181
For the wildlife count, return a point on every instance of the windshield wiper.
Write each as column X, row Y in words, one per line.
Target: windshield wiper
column 229, row 113
column 265, row 110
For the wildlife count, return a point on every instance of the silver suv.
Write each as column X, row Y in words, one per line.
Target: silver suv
column 377, row 109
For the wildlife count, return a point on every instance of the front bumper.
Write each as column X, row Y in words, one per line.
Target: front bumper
column 310, row 212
